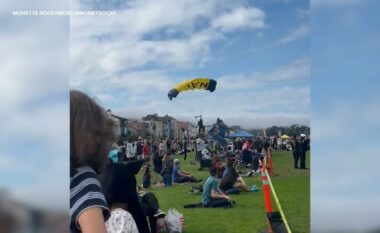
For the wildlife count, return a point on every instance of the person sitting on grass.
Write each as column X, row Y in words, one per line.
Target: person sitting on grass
column 232, row 183
column 212, row 196
column 167, row 169
column 129, row 209
column 181, row 176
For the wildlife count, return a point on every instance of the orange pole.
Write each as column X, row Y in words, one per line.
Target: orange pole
column 266, row 191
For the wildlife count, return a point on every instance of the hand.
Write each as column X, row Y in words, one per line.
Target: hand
column 182, row 220
column 228, row 198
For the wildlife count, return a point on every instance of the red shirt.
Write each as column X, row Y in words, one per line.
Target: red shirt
column 145, row 150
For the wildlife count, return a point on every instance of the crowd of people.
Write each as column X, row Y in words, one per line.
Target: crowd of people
column 104, row 193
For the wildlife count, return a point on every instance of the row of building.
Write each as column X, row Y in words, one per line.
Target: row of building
column 153, row 126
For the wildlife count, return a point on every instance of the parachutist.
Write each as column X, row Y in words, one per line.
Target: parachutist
column 194, row 84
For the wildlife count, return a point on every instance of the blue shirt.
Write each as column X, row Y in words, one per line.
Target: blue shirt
column 210, row 184
column 113, row 155
column 224, row 172
column 176, row 171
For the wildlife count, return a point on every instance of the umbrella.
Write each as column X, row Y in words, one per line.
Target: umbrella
column 285, row 137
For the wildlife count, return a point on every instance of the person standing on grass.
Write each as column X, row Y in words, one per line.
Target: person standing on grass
column 157, row 159
column 139, row 148
column 146, row 149
column 167, row 169
column 130, row 151
column 302, row 148
column 212, row 196
column 185, row 149
column 147, row 173
column 200, row 146
column 161, row 148
column 168, row 145
column 91, row 137
column 294, row 145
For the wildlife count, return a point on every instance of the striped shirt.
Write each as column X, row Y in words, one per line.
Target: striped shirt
column 85, row 193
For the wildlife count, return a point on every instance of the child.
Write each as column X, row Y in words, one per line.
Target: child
column 147, row 173
column 167, row 169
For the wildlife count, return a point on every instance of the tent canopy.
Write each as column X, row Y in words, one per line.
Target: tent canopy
column 240, row 134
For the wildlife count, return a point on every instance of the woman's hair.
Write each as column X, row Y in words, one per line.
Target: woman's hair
column 91, row 132
column 212, row 171
column 215, row 159
column 230, row 162
column 119, row 183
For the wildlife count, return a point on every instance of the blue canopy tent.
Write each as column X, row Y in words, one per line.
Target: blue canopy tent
column 240, row 134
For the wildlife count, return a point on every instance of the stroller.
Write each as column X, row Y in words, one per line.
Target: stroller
column 206, row 160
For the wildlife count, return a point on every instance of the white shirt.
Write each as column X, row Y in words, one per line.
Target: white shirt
column 130, row 150
column 121, row 221
column 201, row 146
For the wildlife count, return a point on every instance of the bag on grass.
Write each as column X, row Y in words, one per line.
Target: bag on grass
column 173, row 221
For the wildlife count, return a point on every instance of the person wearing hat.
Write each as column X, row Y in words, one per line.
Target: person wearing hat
column 182, row 176
column 302, row 147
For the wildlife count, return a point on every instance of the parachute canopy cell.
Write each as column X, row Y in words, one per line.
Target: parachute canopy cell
column 193, row 84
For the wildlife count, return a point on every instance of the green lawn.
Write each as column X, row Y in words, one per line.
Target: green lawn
column 291, row 185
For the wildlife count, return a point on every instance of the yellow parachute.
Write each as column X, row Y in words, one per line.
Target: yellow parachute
column 194, row 84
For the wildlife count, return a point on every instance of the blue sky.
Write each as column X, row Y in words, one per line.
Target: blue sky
column 345, row 115
column 258, row 51
column 34, row 139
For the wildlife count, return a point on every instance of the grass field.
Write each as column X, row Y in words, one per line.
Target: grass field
column 248, row 215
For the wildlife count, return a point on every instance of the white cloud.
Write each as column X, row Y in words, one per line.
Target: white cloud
column 145, row 33
column 294, row 35
column 240, row 18
column 297, row 70
column 134, row 82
